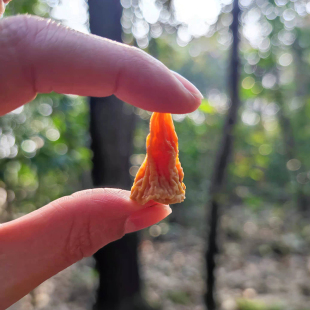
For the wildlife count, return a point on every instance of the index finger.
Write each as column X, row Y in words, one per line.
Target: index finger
column 40, row 56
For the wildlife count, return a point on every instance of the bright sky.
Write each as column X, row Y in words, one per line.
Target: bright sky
column 197, row 14
column 73, row 13
column 197, row 10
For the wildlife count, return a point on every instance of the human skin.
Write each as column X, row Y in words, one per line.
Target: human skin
column 40, row 56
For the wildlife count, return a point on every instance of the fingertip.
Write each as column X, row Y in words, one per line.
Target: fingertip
column 188, row 85
column 196, row 95
column 147, row 83
column 146, row 217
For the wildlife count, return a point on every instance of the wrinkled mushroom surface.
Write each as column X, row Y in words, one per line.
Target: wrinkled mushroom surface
column 160, row 177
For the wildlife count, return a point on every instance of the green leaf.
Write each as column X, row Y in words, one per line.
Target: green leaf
column 206, row 107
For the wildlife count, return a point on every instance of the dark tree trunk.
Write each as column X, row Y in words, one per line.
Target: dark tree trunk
column 301, row 200
column 291, row 152
column 291, row 147
column 302, row 80
column 222, row 159
column 111, row 126
column 111, row 131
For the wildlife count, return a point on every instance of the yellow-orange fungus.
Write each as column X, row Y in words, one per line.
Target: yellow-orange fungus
column 160, row 177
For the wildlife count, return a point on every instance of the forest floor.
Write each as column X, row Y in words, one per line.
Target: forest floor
column 264, row 264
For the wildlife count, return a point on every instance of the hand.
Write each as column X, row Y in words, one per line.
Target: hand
column 38, row 55
column 2, row 6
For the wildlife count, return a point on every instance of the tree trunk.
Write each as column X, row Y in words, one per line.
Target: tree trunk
column 302, row 81
column 222, row 159
column 291, row 147
column 291, row 152
column 111, row 126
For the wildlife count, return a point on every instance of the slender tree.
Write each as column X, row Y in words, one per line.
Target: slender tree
column 289, row 139
column 111, row 126
column 291, row 152
column 222, row 159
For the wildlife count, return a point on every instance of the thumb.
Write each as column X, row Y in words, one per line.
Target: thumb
column 2, row 6
column 46, row 241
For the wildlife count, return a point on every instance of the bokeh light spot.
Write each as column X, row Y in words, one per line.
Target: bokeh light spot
column 52, row 134
column 28, row 146
column 248, row 82
column 293, row 164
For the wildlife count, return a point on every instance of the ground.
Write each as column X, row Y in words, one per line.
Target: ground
column 264, row 264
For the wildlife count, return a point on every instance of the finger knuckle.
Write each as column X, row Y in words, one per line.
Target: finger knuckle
column 78, row 239
column 78, row 242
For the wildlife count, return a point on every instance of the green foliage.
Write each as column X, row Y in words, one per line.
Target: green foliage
column 179, row 297
column 35, row 7
column 43, row 150
column 247, row 304
column 259, row 162
column 206, row 107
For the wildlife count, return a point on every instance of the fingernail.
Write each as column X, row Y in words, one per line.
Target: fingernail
column 188, row 85
column 146, row 217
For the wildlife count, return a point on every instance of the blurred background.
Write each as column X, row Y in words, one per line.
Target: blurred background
column 240, row 240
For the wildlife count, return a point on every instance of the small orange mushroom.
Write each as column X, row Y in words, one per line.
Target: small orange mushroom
column 160, row 177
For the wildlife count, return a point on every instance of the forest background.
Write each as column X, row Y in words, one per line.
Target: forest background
column 259, row 253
